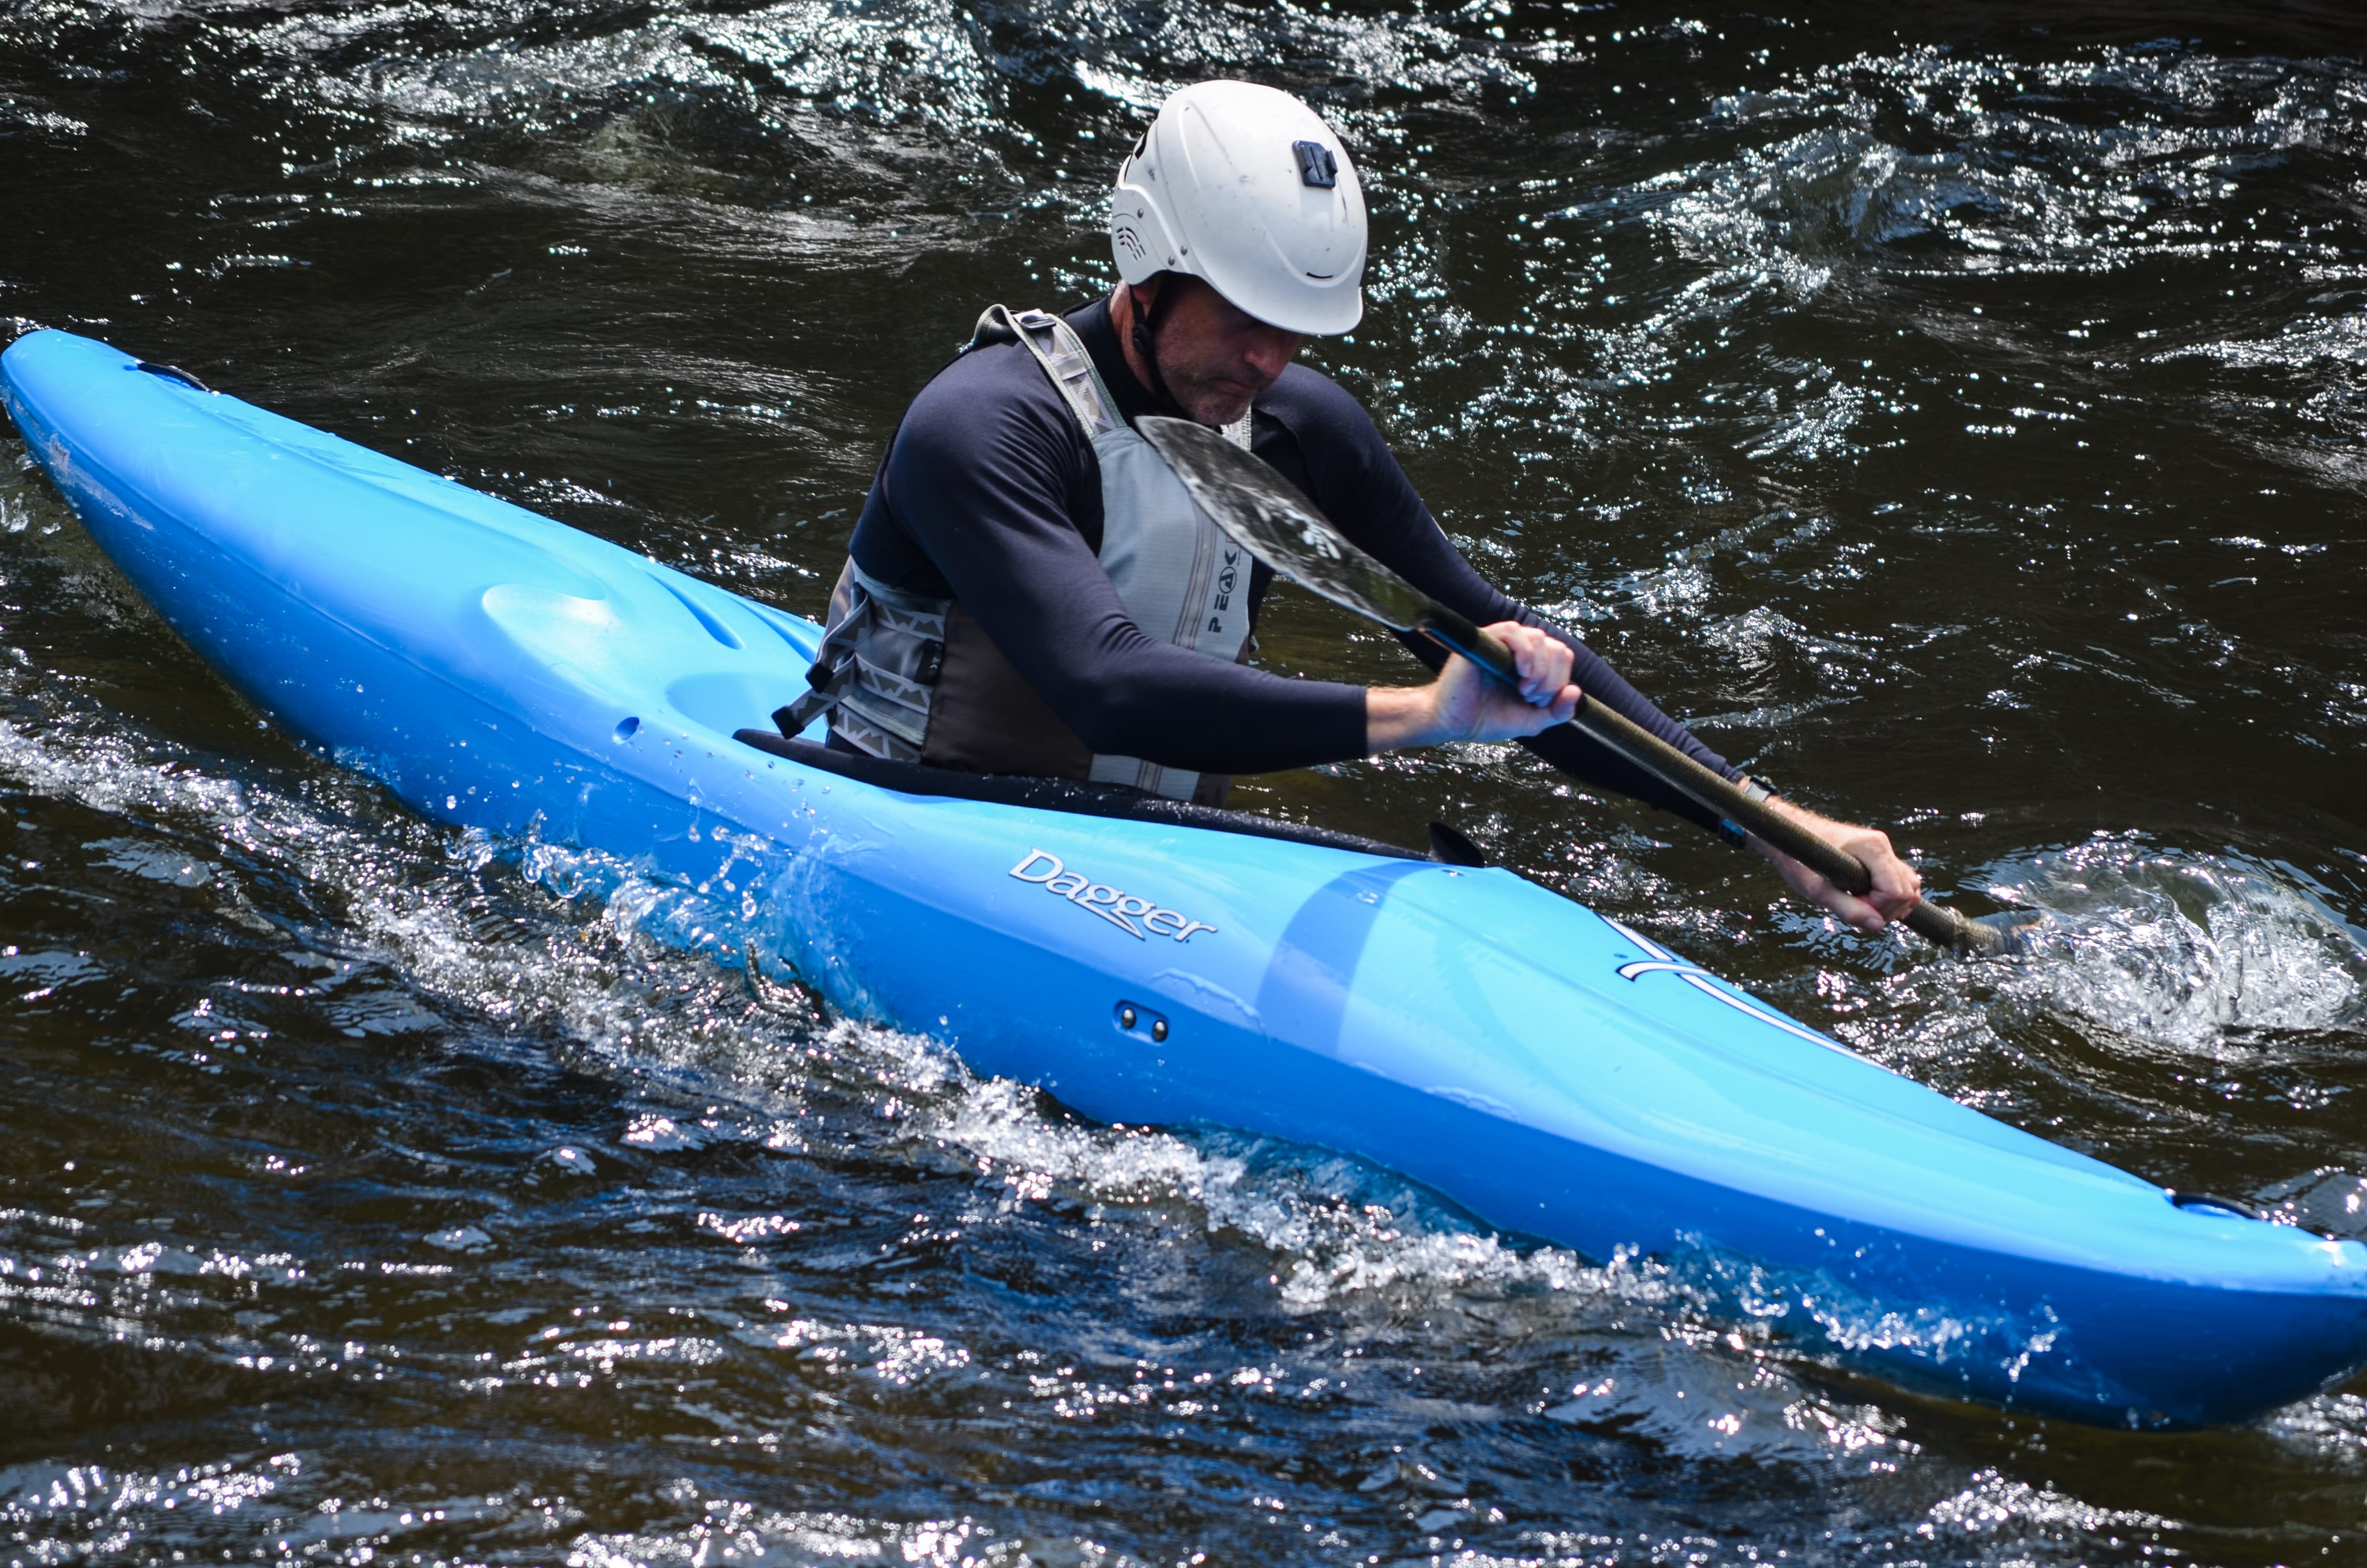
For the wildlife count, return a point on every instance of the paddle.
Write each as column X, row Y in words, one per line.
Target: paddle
column 1266, row 515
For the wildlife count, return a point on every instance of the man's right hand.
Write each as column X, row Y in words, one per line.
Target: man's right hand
column 1464, row 703
column 1897, row 890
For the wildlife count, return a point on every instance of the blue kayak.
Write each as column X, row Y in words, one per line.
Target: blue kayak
column 1554, row 1072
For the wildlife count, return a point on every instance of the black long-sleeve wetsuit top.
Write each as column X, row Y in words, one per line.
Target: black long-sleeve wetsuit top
column 991, row 493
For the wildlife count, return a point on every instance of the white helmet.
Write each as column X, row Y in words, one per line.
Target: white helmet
column 1247, row 188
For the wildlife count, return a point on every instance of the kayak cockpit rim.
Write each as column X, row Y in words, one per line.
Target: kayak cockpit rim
column 1054, row 795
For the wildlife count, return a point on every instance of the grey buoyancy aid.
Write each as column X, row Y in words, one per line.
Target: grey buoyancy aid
column 915, row 679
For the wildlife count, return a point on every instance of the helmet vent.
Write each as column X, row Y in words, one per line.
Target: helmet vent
column 1316, row 167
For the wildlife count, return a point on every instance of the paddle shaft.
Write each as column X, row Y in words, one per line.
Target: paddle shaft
column 1673, row 767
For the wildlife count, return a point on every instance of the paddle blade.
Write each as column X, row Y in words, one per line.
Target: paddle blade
column 1265, row 514
column 2020, row 932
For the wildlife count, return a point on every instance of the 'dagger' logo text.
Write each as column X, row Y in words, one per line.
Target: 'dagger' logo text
column 1119, row 908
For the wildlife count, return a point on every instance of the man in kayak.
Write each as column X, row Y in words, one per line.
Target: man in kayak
column 1030, row 589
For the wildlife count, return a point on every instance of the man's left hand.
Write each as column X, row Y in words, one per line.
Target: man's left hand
column 1897, row 887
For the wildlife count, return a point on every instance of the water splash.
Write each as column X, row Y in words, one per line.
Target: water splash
column 2197, row 951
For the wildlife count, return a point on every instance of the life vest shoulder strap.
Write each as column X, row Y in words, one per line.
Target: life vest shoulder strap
column 1062, row 353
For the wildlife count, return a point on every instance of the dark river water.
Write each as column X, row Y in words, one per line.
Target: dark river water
column 1956, row 411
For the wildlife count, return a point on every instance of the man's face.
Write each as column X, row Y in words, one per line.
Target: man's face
column 1215, row 358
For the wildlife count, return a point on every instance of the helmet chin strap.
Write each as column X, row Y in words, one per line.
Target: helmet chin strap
column 1145, row 328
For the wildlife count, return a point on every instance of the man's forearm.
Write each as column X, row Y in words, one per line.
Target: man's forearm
column 1397, row 716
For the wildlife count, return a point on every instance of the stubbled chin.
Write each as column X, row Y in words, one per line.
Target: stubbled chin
column 1211, row 412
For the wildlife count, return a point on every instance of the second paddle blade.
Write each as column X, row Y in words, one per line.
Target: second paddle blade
column 1265, row 514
